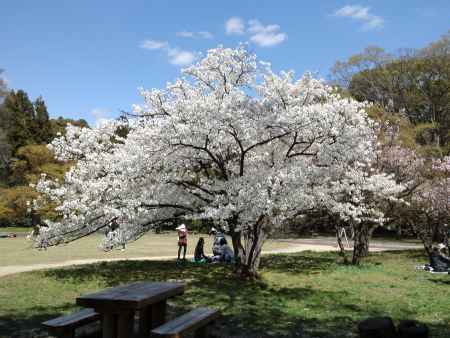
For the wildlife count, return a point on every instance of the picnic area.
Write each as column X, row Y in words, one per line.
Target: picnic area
column 224, row 169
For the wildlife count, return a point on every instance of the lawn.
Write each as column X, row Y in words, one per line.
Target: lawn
column 19, row 251
column 299, row 295
column 16, row 230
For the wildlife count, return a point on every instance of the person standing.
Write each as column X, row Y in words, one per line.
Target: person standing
column 182, row 240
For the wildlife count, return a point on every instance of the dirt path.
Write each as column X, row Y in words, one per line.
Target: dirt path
column 296, row 245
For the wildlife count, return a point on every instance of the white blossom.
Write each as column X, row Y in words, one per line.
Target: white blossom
column 230, row 139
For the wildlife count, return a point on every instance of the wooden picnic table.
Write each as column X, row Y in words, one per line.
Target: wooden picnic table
column 118, row 305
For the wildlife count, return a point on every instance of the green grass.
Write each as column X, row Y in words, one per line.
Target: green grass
column 299, row 295
column 15, row 229
column 19, row 251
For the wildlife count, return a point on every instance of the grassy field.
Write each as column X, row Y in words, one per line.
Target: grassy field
column 299, row 295
column 14, row 230
column 19, row 251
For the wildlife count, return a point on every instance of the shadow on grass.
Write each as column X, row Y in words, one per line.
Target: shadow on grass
column 250, row 309
column 304, row 263
column 412, row 253
column 27, row 324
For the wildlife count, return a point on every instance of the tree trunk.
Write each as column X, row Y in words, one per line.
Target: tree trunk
column 254, row 238
column 238, row 249
column 236, row 240
column 341, row 245
column 361, row 242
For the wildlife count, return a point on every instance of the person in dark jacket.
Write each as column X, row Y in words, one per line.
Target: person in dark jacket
column 199, row 254
column 438, row 261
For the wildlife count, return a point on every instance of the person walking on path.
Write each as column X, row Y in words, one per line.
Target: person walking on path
column 182, row 240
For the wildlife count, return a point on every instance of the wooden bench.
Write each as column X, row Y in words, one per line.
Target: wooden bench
column 196, row 320
column 64, row 326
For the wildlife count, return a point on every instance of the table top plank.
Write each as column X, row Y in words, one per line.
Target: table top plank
column 131, row 296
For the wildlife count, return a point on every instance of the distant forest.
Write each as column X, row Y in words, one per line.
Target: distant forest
column 25, row 130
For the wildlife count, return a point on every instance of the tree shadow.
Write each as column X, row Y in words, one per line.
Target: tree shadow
column 28, row 324
column 250, row 309
column 412, row 253
column 305, row 263
column 441, row 281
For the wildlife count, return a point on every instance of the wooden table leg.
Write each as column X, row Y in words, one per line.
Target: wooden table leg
column 150, row 317
column 158, row 314
column 200, row 333
column 125, row 324
column 145, row 322
column 109, row 325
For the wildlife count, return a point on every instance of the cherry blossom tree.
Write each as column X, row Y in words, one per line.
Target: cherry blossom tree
column 230, row 142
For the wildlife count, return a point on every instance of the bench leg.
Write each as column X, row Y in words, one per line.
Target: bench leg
column 63, row 333
column 203, row 331
column 109, row 329
column 125, row 324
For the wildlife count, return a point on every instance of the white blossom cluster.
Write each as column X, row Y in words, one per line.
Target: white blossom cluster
column 229, row 140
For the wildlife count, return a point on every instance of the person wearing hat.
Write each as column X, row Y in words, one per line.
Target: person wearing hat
column 182, row 240
column 438, row 261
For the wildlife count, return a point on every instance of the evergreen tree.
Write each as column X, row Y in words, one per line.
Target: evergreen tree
column 43, row 132
column 17, row 116
column 3, row 87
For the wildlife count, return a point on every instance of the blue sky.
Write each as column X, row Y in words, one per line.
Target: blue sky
column 87, row 58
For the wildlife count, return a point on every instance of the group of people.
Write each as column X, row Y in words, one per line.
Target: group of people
column 221, row 250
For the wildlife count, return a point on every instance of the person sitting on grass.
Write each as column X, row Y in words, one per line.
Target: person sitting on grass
column 199, row 254
column 219, row 240
column 182, row 241
column 227, row 254
column 438, row 260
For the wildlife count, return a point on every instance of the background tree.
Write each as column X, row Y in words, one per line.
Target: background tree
column 3, row 86
column 58, row 125
column 44, row 133
column 416, row 83
column 25, row 129
column 17, row 117
column 32, row 161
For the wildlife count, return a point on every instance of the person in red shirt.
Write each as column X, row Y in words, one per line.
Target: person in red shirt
column 182, row 240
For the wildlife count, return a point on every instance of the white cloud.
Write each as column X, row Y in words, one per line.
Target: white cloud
column 265, row 36
column 101, row 115
column 154, row 44
column 361, row 14
column 201, row 34
column 185, row 34
column 205, row 35
column 180, row 57
column 176, row 56
column 235, row 25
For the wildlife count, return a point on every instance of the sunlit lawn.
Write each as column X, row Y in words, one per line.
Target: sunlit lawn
column 308, row 292
column 19, row 251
